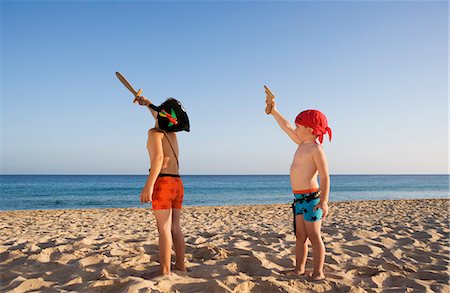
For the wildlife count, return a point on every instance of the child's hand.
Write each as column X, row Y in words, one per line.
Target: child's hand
column 269, row 103
column 143, row 101
column 324, row 207
column 146, row 194
column 274, row 106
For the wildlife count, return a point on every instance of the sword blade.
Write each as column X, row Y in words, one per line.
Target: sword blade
column 268, row 91
column 126, row 84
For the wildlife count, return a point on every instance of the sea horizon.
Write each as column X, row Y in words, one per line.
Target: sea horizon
column 225, row 174
column 45, row 191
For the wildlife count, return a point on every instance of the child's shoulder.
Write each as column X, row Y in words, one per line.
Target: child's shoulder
column 315, row 148
column 318, row 151
column 155, row 132
column 312, row 146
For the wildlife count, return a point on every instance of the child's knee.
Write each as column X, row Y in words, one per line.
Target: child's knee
column 163, row 227
column 301, row 237
column 315, row 238
column 176, row 229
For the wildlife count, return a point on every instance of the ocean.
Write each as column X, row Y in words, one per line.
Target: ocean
column 43, row 192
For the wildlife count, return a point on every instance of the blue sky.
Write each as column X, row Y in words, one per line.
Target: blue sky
column 378, row 70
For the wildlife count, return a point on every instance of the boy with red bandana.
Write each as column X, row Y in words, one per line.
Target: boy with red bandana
column 310, row 205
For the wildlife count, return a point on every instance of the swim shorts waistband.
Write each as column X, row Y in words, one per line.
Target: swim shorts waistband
column 168, row 175
column 305, row 191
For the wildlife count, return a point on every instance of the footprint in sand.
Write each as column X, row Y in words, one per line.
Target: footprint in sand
column 405, row 241
column 366, row 271
column 330, row 259
column 428, row 275
column 288, row 261
column 90, row 260
column 251, row 266
column 365, row 249
column 419, row 257
column 387, row 241
column 250, row 286
column 242, row 244
column 214, row 286
column 421, row 235
column 32, row 285
column 402, row 283
column 65, row 258
column 209, row 252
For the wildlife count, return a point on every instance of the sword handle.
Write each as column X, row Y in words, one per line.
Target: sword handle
column 138, row 94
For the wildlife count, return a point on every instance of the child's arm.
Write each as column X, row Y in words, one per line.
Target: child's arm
column 322, row 167
column 155, row 149
column 143, row 101
column 284, row 124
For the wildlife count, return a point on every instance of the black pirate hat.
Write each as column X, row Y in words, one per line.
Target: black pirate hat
column 172, row 116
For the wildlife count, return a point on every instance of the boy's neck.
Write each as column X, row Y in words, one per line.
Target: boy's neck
column 308, row 140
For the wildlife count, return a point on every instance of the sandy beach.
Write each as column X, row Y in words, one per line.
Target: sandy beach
column 372, row 246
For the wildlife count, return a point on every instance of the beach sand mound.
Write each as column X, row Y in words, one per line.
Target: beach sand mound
column 371, row 246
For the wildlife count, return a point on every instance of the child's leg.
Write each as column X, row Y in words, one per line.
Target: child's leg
column 314, row 235
column 164, row 223
column 301, row 246
column 178, row 240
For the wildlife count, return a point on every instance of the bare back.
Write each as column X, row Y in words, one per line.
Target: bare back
column 170, row 163
column 303, row 172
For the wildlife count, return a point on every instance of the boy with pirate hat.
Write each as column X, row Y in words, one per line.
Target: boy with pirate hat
column 164, row 187
column 310, row 204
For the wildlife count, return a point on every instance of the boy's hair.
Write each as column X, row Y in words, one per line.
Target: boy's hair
column 317, row 121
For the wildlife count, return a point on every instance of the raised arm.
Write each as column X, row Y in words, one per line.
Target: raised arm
column 143, row 101
column 284, row 124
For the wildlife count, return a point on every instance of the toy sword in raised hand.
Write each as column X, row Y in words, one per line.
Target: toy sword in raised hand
column 128, row 86
column 269, row 99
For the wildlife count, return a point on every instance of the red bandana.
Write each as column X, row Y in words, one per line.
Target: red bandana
column 316, row 120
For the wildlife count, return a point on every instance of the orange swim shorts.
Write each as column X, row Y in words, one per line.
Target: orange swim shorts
column 168, row 192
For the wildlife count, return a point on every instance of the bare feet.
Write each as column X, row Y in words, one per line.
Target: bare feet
column 294, row 273
column 316, row 277
column 180, row 270
column 181, row 267
column 154, row 274
column 164, row 273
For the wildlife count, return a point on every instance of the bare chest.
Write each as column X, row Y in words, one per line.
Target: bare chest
column 302, row 157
